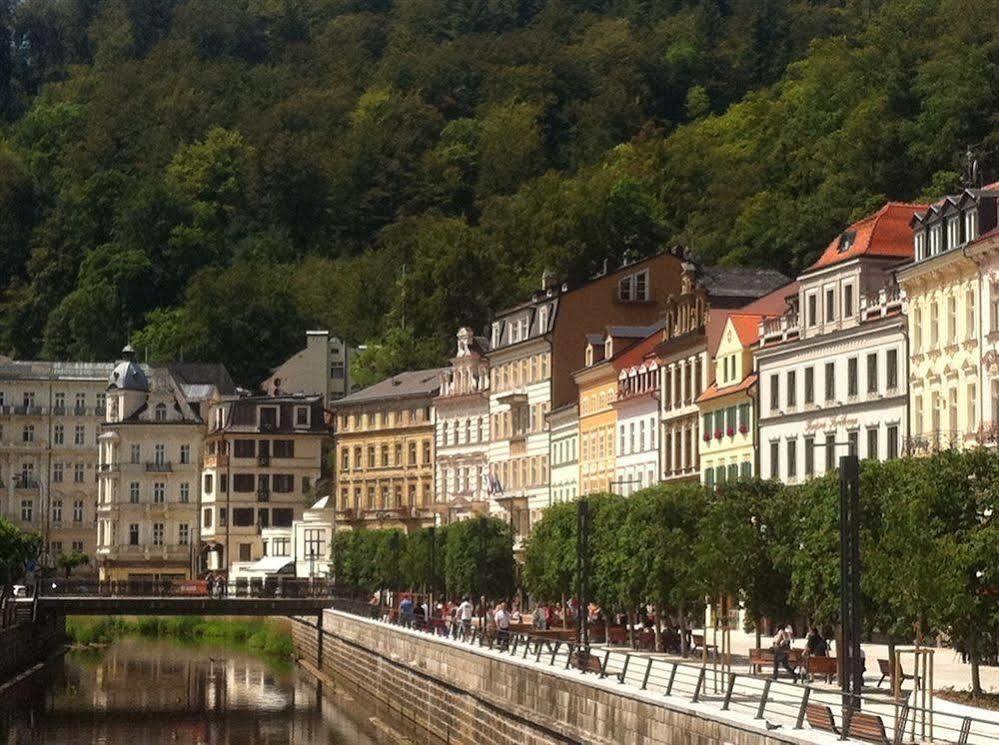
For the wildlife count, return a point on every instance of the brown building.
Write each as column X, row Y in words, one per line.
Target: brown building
column 385, row 453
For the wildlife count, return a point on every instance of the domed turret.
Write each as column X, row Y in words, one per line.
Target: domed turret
column 127, row 374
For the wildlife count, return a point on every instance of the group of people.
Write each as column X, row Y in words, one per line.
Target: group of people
column 815, row 646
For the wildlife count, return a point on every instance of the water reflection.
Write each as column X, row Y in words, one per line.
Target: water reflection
column 138, row 691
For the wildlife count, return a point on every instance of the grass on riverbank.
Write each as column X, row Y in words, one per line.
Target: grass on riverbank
column 265, row 637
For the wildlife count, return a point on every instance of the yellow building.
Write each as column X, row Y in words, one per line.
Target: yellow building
column 597, row 384
column 726, row 408
column 943, row 299
column 385, row 453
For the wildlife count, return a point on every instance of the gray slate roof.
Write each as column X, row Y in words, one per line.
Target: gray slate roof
column 740, row 281
column 403, row 385
column 191, row 374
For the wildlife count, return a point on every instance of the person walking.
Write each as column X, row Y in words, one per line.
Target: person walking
column 782, row 652
column 465, row 611
column 502, row 620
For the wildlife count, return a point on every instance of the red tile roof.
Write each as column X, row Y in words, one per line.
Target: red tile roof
column 886, row 233
column 774, row 303
column 636, row 354
column 713, row 391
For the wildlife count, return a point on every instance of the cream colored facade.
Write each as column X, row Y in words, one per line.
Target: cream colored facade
column 597, row 427
column 728, row 442
column 943, row 302
column 149, row 465
column 564, row 426
column 986, row 253
column 385, row 453
column 263, row 458
column 50, row 417
column 322, row 368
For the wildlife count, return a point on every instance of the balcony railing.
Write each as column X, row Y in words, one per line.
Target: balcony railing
column 23, row 483
column 778, row 329
column 886, row 301
column 159, row 466
column 24, row 410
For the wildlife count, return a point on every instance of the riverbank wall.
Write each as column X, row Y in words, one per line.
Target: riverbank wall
column 459, row 694
column 29, row 643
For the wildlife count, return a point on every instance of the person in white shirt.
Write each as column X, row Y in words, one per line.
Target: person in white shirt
column 465, row 611
column 502, row 619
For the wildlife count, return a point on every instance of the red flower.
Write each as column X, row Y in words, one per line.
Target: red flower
column 731, row 431
column 707, row 437
column 718, row 434
column 743, row 428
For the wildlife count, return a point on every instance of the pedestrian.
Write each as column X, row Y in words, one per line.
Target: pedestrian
column 540, row 617
column 815, row 645
column 465, row 611
column 406, row 611
column 782, row 652
column 502, row 620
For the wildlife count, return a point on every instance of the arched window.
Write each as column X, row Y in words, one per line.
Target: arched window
column 160, row 412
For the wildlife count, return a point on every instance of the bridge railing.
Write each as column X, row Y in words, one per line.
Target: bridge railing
column 780, row 703
column 270, row 587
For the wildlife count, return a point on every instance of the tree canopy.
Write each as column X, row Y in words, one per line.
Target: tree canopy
column 212, row 177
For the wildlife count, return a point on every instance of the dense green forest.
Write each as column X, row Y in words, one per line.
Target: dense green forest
column 211, row 177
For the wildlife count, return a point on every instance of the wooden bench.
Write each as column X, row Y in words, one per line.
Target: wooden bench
column 760, row 660
column 820, row 716
column 697, row 642
column 824, row 666
column 867, row 727
column 618, row 635
column 885, row 667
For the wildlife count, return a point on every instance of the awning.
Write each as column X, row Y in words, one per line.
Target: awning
column 270, row 564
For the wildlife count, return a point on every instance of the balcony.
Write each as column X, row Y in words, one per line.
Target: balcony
column 25, row 410
column 159, row 466
column 25, row 483
column 779, row 329
column 263, row 494
column 885, row 302
column 216, row 461
column 58, row 410
column 263, row 460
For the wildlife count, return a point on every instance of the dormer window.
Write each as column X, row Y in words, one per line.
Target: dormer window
column 920, row 245
column 970, row 224
column 496, row 334
column 847, row 240
column 935, row 236
column 302, row 416
column 543, row 319
column 608, row 348
column 160, row 412
column 953, row 231
column 634, row 287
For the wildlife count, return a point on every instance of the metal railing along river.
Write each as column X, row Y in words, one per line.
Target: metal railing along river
column 793, row 706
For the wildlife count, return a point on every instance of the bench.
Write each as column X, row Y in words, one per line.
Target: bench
column 820, row 717
column 589, row 663
column 867, row 727
column 885, row 667
column 760, row 660
column 618, row 635
column 697, row 642
column 824, row 666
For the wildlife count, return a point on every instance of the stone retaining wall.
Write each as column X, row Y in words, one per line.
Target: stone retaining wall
column 459, row 694
column 29, row 643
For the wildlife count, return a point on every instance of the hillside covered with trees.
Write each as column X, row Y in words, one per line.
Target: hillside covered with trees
column 210, row 178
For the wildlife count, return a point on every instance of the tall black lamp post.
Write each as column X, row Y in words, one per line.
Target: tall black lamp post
column 583, row 572
column 852, row 680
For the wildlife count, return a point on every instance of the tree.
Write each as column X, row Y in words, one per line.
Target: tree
column 479, row 558
column 69, row 562
column 550, row 554
column 395, row 352
column 17, row 547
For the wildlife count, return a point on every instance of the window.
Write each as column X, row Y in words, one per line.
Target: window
column 135, row 454
column 242, row 517
column 185, row 492
column 133, row 492
column 952, row 320
column 634, row 287
column 892, row 445
column 78, row 511
column 208, row 483
column 268, row 416
column 59, row 434
column 301, row 416
column 852, row 437
column 920, row 245
column 426, row 452
column 891, row 368
column 206, row 517
column 157, row 534
column 774, row 459
column 243, row 482
column 60, row 403
column 812, row 309
column 809, row 385
column 851, row 377
column 970, row 224
column 847, row 301
column 280, row 547
column 953, row 231
column 78, row 473
column 792, row 458
column 872, row 372
column 792, row 389
column 935, row 236
column 872, row 443
column 315, row 543
column 28, row 433
column 830, row 381
column 283, row 483
column 744, row 417
column 709, row 477
column 79, row 434
column 245, row 552
column 970, row 320
column 57, row 472
column 281, row 517
column 185, row 453
column 183, row 534
column 27, row 510
column 809, row 455
column 244, row 448
column 57, row 511
column 830, row 451
column 159, row 492
column 972, row 407
column 830, row 305
column 133, row 534
column 934, row 324
column 917, row 330
column 286, row 449
column 160, row 412
column 306, row 484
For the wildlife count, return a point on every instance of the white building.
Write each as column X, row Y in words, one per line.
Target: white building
column 462, row 431
column 833, row 369
column 50, row 417
column 300, row 550
column 637, row 404
column 564, row 425
column 149, row 468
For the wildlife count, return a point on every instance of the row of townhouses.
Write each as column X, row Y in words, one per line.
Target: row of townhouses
column 168, row 472
column 665, row 370
column 662, row 370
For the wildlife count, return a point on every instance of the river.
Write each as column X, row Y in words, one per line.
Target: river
column 139, row 691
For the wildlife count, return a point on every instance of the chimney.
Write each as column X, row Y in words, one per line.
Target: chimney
column 548, row 280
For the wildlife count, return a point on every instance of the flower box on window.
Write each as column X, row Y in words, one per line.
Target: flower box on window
column 731, row 431
column 718, row 434
column 743, row 429
column 707, row 437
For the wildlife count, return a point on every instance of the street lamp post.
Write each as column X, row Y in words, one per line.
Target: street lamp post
column 583, row 569
column 852, row 680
